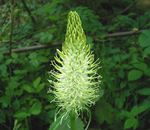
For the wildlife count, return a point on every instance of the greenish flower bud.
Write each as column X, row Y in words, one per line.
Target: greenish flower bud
column 76, row 84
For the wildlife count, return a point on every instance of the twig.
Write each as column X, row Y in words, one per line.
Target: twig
column 11, row 26
column 121, row 34
column 12, row 2
column 110, row 35
column 28, row 11
column 32, row 48
column 55, row 45
column 118, row 34
column 128, row 7
column 3, row 125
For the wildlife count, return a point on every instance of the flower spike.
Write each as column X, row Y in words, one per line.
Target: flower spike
column 76, row 84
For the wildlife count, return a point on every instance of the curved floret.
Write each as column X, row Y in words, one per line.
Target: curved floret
column 76, row 84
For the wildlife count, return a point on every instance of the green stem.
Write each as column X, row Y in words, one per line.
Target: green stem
column 73, row 121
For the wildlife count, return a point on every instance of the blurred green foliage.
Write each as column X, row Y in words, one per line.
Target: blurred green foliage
column 24, row 101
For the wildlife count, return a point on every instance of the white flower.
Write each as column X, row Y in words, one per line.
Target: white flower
column 76, row 84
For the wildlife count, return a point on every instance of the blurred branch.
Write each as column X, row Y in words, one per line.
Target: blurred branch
column 118, row 34
column 122, row 34
column 2, row 2
column 28, row 11
column 110, row 35
column 32, row 48
column 11, row 26
column 128, row 7
column 55, row 45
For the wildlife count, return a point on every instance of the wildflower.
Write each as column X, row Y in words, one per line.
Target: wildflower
column 76, row 84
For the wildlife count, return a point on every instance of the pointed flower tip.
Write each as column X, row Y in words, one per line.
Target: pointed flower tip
column 74, row 17
column 71, row 13
column 74, row 31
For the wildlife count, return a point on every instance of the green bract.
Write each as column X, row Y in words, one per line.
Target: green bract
column 76, row 84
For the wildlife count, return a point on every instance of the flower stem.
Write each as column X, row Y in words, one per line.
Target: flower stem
column 73, row 121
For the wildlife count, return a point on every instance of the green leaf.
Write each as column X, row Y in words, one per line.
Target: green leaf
column 3, row 70
column 146, row 52
column 79, row 124
column 34, row 59
column 5, row 100
column 44, row 37
column 39, row 88
column 134, row 75
column 17, row 125
column 131, row 123
column 3, row 117
column 60, row 124
column 36, row 108
column 14, row 56
column 104, row 112
column 147, row 72
column 37, row 85
column 144, row 91
column 1, row 56
column 121, row 98
column 21, row 114
column 16, row 104
column 140, row 108
column 28, row 88
column 125, row 113
column 36, row 82
column 144, row 38
column 141, row 66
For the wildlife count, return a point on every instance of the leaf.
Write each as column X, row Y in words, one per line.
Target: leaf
column 103, row 112
column 21, row 114
column 45, row 37
column 37, row 85
column 5, row 100
column 141, row 66
column 34, row 59
column 36, row 82
column 3, row 70
column 20, row 72
column 60, row 124
column 39, row 88
column 140, row 108
column 14, row 56
column 124, row 113
column 131, row 123
column 134, row 75
column 17, row 125
column 146, row 52
column 144, row 91
column 28, row 88
column 36, row 108
column 1, row 56
column 121, row 98
column 147, row 72
column 3, row 117
column 79, row 124
column 144, row 38
column 16, row 104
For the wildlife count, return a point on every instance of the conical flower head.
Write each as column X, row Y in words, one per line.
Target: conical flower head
column 76, row 84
